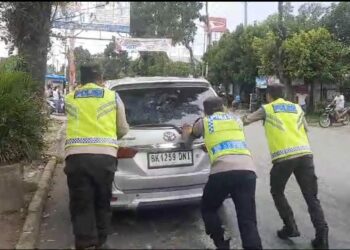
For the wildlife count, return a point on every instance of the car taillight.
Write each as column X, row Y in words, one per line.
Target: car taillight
column 204, row 148
column 124, row 153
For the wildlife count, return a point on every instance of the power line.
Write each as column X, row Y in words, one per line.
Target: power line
column 79, row 15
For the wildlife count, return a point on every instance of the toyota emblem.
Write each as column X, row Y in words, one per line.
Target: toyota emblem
column 169, row 136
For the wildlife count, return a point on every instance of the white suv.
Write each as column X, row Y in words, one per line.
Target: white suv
column 154, row 166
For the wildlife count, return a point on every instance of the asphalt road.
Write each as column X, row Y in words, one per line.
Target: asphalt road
column 182, row 227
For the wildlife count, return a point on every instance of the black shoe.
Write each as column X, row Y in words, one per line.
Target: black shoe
column 319, row 243
column 321, row 240
column 223, row 245
column 286, row 232
column 103, row 246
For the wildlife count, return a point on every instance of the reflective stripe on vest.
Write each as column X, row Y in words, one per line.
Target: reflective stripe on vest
column 223, row 135
column 91, row 117
column 91, row 141
column 290, row 150
column 285, row 130
column 228, row 145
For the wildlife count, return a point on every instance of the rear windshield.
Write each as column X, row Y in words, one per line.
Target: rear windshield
column 171, row 105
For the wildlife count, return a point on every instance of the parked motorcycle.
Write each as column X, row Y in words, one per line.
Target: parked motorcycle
column 328, row 117
column 50, row 105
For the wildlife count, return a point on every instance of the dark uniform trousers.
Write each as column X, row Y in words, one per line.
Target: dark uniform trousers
column 90, row 178
column 240, row 184
column 304, row 171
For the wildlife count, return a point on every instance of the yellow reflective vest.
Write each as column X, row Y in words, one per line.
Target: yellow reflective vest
column 285, row 130
column 91, row 117
column 223, row 135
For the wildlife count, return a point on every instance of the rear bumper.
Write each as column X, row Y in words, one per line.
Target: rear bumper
column 156, row 198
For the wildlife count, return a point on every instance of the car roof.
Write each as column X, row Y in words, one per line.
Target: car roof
column 156, row 79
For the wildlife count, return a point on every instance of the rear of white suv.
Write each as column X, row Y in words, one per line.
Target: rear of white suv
column 154, row 166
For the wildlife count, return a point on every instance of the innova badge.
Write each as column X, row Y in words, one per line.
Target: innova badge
column 169, row 136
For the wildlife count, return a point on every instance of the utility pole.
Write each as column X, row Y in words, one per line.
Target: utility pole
column 208, row 35
column 208, row 26
column 245, row 14
column 72, row 69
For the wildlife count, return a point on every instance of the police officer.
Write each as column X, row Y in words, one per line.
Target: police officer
column 285, row 129
column 95, row 119
column 232, row 172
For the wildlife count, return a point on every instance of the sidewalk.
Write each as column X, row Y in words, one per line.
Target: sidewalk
column 58, row 116
column 11, row 223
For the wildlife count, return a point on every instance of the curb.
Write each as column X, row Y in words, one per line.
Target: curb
column 30, row 231
column 31, row 228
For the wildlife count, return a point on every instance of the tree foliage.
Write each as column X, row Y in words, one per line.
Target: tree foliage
column 233, row 59
column 21, row 121
column 159, row 64
column 315, row 55
column 115, row 65
column 286, row 45
column 310, row 16
column 174, row 20
column 337, row 21
column 28, row 27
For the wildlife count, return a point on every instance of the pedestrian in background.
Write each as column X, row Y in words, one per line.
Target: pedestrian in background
column 232, row 172
column 285, row 128
column 302, row 100
column 56, row 98
column 95, row 120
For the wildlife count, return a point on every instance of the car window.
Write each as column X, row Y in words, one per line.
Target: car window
column 174, row 105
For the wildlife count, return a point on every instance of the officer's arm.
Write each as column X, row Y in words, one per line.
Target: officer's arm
column 122, row 124
column 253, row 117
column 190, row 133
column 198, row 129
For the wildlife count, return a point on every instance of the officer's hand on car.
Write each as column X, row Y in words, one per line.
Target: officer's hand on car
column 186, row 135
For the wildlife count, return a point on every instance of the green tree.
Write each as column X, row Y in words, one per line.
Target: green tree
column 315, row 56
column 310, row 16
column 233, row 59
column 337, row 21
column 116, row 65
column 151, row 64
column 13, row 64
column 173, row 20
column 82, row 57
column 269, row 48
column 282, row 26
column 28, row 29
column 179, row 69
column 217, row 57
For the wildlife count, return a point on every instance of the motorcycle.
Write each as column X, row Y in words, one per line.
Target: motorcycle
column 328, row 117
column 50, row 105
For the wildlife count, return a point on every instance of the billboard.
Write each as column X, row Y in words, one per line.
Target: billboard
column 97, row 16
column 143, row 44
column 217, row 24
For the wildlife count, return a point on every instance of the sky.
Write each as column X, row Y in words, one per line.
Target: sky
column 232, row 11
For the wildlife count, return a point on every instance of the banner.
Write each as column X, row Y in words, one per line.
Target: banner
column 217, row 24
column 97, row 16
column 143, row 44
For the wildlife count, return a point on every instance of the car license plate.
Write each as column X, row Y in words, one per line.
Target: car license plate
column 170, row 159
